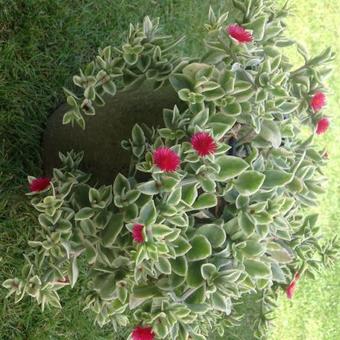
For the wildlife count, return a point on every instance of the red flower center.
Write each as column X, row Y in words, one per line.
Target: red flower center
column 137, row 233
column 238, row 33
column 318, row 101
column 203, row 143
column 322, row 126
column 39, row 184
column 143, row 333
column 166, row 159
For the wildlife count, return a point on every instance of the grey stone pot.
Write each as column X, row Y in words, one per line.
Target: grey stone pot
column 100, row 141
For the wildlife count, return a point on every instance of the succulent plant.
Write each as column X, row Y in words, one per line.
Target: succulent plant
column 224, row 207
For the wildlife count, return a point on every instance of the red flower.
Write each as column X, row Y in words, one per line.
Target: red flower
column 292, row 286
column 291, row 289
column 322, row 125
column 39, row 184
column 318, row 101
column 166, row 159
column 239, row 33
column 143, row 333
column 203, row 143
column 137, row 233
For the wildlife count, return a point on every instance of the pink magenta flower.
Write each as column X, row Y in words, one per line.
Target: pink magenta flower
column 292, row 286
column 322, row 125
column 39, row 184
column 137, row 233
column 318, row 101
column 203, row 144
column 238, row 33
column 143, row 333
column 166, row 159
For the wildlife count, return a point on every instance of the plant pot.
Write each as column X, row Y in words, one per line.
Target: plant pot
column 103, row 155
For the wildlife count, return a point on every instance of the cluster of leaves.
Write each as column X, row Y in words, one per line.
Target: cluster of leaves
column 229, row 223
column 146, row 55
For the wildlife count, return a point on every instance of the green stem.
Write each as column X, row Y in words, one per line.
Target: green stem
column 299, row 69
column 132, row 169
column 188, row 293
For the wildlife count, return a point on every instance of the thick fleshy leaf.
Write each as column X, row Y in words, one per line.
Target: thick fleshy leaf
column 233, row 109
column 230, row 167
column 194, row 277
column 189, row 194
column 112, row 230
column 180, row 81
column 252, row 248
column 296, row 185
column 271, row 133
column 215, row 234
column 249, row 182
column 197, row 297
column 221, row 303
column 206, row 200
column 262, row 217
column 164, row 265
column 148, row 213
column 208, row 270
column 208, row 185
column 201, row 248
column 279, row 253
column 258, row 27
column 148, row 188
column 242, row 202
column 145, row 291
column 175, row 196
column 276, row 178
column 246, row 223
column 168, row 182
column 130, row 212
column 105, row 284
column 181, row 246
column 74, row 271
column 176, row 280
column 221, row 123
column 214, row 94
column 120, row 185
column 257, row 269
column 281, row 256
column 138, row 136
column 180, row 265
column 199, row 308
column 161, row 230
column 84, row 214
column 178, row 220
column 278, row 274
column 110, row 88
column 122, row 293
column 161, row 328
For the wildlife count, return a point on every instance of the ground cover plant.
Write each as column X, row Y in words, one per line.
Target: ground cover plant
column 208, row 144
column 42, row 44
column 313, row 313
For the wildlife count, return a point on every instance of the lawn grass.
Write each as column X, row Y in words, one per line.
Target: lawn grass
column 42, row 44
column 314, row 313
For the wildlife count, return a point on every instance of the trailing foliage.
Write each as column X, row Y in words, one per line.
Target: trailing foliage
column 224, row 207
